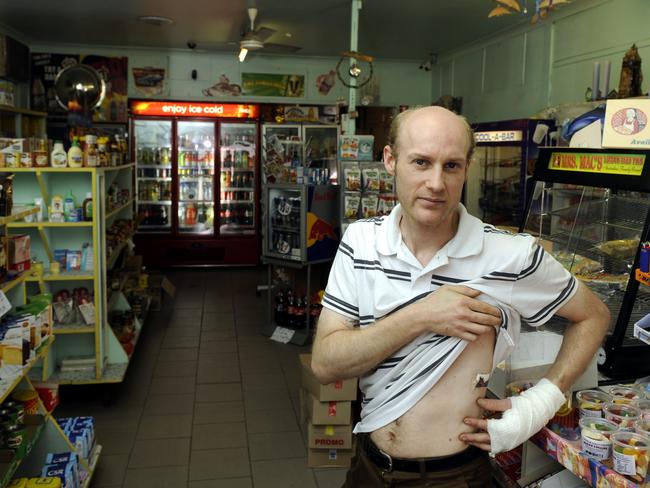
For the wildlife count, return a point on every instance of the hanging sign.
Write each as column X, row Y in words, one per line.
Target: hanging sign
column 273, row 85
column 498, row 136
column 194, row 109
column 603, row 163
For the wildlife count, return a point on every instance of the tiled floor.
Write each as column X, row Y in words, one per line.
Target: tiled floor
column 208, row 402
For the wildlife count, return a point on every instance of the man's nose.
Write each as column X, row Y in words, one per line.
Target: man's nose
column 435, row 179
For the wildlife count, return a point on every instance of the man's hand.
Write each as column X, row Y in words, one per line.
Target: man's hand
column 453, row 310
column 481, row 438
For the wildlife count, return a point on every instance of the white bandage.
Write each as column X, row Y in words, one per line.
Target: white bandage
column 529, row 413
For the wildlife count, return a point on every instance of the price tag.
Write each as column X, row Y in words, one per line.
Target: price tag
column 282, row 334
column 5, row 306
column 88, row 313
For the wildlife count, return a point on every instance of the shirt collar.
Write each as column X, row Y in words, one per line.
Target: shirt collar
column 468, row 240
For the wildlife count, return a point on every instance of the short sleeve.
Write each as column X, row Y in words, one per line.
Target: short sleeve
column 341, row 293
column 542, row 287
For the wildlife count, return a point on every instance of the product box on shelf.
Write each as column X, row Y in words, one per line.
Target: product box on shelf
column 19, row 256
column 326, row 413
column 337, row 391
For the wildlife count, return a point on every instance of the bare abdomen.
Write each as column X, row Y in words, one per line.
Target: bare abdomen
column 431, row 428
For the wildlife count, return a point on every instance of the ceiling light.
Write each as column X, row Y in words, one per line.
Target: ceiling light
column 242, row 54
column 354, row 71
column 157, row 20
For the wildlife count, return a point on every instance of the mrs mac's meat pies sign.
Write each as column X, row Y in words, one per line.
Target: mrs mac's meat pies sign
column 194, row 109
column 604, row 163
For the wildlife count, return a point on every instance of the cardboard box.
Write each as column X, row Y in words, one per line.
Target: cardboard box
column 327, row 413
column 324, row 458
column 329, row 436
column 338, row 391
column 18, row 250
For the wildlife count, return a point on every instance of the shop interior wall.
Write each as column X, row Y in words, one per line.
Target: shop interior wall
column 519, row 73
column 398, row 82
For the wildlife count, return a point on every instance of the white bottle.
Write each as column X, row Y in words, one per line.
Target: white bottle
column 75, row 155
column 59, row 158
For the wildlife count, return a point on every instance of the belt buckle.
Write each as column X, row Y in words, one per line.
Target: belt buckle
column 390, row 463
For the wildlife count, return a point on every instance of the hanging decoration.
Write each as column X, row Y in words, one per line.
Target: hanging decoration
column 542, row 8
column 360, row 70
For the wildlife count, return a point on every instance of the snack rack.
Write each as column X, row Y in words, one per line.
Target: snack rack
column 591, row 209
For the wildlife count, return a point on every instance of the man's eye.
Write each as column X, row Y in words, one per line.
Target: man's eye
column 452, row 165
column 420, row 162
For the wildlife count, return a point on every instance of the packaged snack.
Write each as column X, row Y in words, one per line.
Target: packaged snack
column 591, row 402
column 631, row 455
column 370, row 178
column 385, row 204
column 44, row 483
column 623, row 415
column 596, row 437
column 642, row 427
column 386, row 181
column 352, row 175
column 369, row 205
column 352, row 201
column 622, row 394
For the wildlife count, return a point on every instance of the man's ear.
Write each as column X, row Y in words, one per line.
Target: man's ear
column 389, row 160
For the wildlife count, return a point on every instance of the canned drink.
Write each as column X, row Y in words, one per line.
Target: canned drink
column 13, row 436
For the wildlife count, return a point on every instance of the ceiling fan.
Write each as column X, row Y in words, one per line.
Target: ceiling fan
column 255, row 39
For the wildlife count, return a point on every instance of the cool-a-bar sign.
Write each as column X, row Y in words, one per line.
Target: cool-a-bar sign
column 194, row 109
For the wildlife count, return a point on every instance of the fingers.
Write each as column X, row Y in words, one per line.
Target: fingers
column 480, row 424
column 490, row 321
column 483, row 446
column 494, row 405
column 475, row 437
column 484, row 308
column 463, row 290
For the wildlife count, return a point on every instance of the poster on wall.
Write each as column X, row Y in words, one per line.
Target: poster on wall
column 149, row 81
column 626, row 124
column 222, row 88
column 45, row 67
column 113, row 71
column 273, row 85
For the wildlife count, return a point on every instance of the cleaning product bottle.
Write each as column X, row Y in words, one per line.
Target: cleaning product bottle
column 75, row 155
column 69, row 209
column 59, row 158
column 87, row 206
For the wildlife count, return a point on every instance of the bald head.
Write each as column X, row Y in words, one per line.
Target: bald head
column 438, row 114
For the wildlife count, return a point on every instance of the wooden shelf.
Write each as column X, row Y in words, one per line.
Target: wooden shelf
column 19, row 213
column 61, row 277
column 42, row 225
column 22, row 111
column 8, row 285
column 74, row 329
column 49, row 169
column 92, row 463
column 117, row 210
column 40, row 352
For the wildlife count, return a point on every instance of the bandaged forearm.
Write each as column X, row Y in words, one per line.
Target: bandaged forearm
column 529, row 413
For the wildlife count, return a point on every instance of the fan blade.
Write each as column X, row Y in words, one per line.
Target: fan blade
column 499, row 11
column 263, row 33
column 513, row 4
column 270, row 47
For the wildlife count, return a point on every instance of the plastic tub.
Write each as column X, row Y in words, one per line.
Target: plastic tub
column 644, row 406
column 623, row 394
column 630, row 452
column 518, row 387
column 642, row 427
column 623, row 415
column 590, row 402
column 596, row 437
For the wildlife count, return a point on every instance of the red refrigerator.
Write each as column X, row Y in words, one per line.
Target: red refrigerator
column 197, row 180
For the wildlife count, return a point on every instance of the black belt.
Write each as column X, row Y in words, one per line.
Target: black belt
column 388, row 463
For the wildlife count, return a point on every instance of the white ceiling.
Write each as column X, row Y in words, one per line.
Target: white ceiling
column 398, row 29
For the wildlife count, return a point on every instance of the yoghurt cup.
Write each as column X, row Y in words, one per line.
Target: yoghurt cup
column 596, row 437
column 591, row 402
column 630, row 452
column 623, row 394
column 623, row 415
column 644, row 406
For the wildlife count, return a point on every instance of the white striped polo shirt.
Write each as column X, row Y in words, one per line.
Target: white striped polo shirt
column 375, row 274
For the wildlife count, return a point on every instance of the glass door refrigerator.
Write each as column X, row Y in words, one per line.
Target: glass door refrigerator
column 198, row 185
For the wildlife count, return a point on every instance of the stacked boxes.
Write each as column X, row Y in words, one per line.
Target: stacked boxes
column 326, row 413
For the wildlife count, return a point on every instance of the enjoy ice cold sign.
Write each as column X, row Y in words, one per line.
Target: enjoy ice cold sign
column 194, row 109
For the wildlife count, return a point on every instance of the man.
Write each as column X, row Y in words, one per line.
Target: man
column 421, row 303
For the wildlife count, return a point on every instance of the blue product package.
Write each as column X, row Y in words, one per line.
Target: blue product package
column 80, row 441
column 62, row 458
column 644, row 260
column 62, row 471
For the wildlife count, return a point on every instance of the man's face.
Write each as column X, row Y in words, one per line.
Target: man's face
column 431, row 166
